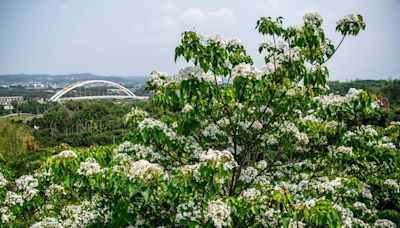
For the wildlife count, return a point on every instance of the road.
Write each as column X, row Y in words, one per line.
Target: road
column 20, row 114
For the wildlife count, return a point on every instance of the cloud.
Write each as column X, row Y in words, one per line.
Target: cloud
column 193, row 15
column 167, row 26
column 196, row 17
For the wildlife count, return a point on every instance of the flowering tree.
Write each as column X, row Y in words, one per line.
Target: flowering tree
column 235, row 146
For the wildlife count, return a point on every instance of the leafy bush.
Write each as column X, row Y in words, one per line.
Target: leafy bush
column 235, row 146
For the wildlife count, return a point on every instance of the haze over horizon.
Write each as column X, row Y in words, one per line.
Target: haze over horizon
column 125, row 38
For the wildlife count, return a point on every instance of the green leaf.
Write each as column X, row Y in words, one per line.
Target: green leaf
column 146, row 194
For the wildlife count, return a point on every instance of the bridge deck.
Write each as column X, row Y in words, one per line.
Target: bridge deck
column 104, row 97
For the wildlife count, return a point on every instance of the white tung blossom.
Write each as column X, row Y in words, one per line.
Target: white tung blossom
column 3, row 181
column 302, row 137
column 366, row 193
column 224, row 158
column 219, row 213
column 313, row 19
column 66, row 154
column 144, row 170
column 384, row 223
column 351, row 20
column 368, row 130
column 85, row 213
column 215, row 39
column 235, row 42
column 326, row 47
column 192, row 170
column 310, row 118
column 89, row 167
column 6, row 215
column 393, row 185
column 187, row 108
column 268, row 44
column 53, row 189
column 157, row 78
column 251, row 193
column 48, row 222
column 247, row 71
column 212, row 131
column 346, row 214
column 193, row 72
column 135, row 113
column 269, row 69
column 13, row 199
column 188, row 211
column 337, row 100
column 361, row 206
column 150, row 123
column 343, row 150
column 140, row 152
column 248, row 174
column 27, row 184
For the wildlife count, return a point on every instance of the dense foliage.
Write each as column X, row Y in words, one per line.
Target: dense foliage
column 83, row 123
column 388, row 90
column 235, row 146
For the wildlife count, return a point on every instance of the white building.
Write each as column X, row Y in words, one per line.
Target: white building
column 8, row 100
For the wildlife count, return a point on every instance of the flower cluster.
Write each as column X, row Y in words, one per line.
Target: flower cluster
column 246, row 71
column 89, row 167
column 268, row 69
column 192, row 170
column 224, row 158
column 54, row 189
column 188, row 211
column 66, row 154
column 6, row 215
column 235, row 42
column 150, row 123
column 3, row 181
column 157, row 79
column 215, row 39
column 290, row 127
column 350, row 24
column 337, row 100
column 28, row 184
column 145, row 171
column 193, row 72
column 13, row 198
column 187, row 108
column 384, row 223
column 343, row 150
column 313, row 19
column 393, row 185
column 85, row 213
column 251, row 193
column 135, row 113
column 212, row 131
column 48, row 222
column 219, row 213
column 136, row 150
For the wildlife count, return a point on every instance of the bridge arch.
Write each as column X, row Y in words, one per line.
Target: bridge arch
column 62, row 92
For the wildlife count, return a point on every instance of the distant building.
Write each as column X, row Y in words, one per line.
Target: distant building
column 8, row 100
column 8, row 107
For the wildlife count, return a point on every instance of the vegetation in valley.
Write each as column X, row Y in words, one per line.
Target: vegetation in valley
column 83, row 123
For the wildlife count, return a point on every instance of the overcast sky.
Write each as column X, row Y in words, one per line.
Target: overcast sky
column 127, row 37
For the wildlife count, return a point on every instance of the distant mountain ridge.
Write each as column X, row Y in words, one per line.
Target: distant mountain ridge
column 67, row 78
